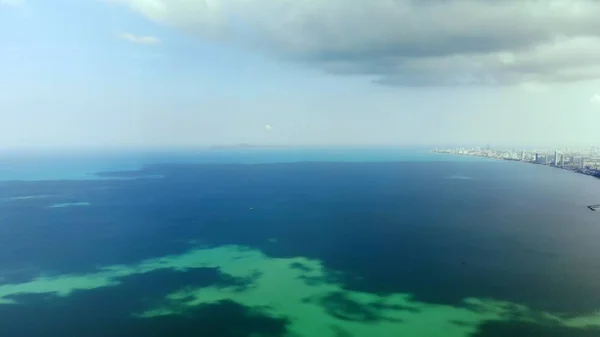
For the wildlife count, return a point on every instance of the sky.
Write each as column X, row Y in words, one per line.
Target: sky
column 129, row 73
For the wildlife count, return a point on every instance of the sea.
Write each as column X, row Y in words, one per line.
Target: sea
column 294, row 242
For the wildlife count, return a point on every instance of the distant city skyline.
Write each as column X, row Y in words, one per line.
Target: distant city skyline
column 584, row 160
column 125, row 73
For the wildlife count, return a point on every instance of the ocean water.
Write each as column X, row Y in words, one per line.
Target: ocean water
column 85, row 165
column 296, row 243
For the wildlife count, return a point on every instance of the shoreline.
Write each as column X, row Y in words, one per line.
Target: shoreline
column 589, row 173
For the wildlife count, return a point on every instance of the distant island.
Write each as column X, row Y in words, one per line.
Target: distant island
column 584, row 161
column 244, row 146
column 235, row 146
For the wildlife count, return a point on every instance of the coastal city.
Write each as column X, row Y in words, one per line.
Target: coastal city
column 584, row 161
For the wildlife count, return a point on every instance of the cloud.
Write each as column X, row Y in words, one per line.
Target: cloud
column 268, row 127
column 406, row 42
column 138, row 39
column 13, row 3
column 595, row 99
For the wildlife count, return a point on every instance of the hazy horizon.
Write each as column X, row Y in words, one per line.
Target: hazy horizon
column 200, row 148
column 147, row 74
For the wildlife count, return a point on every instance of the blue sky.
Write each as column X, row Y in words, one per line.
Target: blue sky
column 181, row 72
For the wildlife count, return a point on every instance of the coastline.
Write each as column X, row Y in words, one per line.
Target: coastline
column 587, row 172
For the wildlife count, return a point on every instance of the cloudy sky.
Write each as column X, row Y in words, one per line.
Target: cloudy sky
column 301, row 72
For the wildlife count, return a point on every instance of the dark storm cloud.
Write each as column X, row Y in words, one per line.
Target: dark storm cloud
column 408, row 42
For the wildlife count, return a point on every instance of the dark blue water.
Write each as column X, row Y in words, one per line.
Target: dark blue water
column 85, row 164
column 440, row 229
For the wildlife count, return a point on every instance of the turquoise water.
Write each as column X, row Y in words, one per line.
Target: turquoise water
column 296, row 243
column 81, row 165
column 69, row 204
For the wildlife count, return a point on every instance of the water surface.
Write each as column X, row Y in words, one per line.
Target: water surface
column 413, row 245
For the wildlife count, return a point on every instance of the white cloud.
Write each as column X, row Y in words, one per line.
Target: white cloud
column 268, row 127
column 406, row 42
column 595, row 99
column 139, row 39
column 534, row 87
column 13, row 3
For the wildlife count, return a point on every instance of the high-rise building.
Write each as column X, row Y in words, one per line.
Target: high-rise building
column 581, row 163
column 522, row 155
column 562, row 160
column 555, row 161
column 537, row 157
